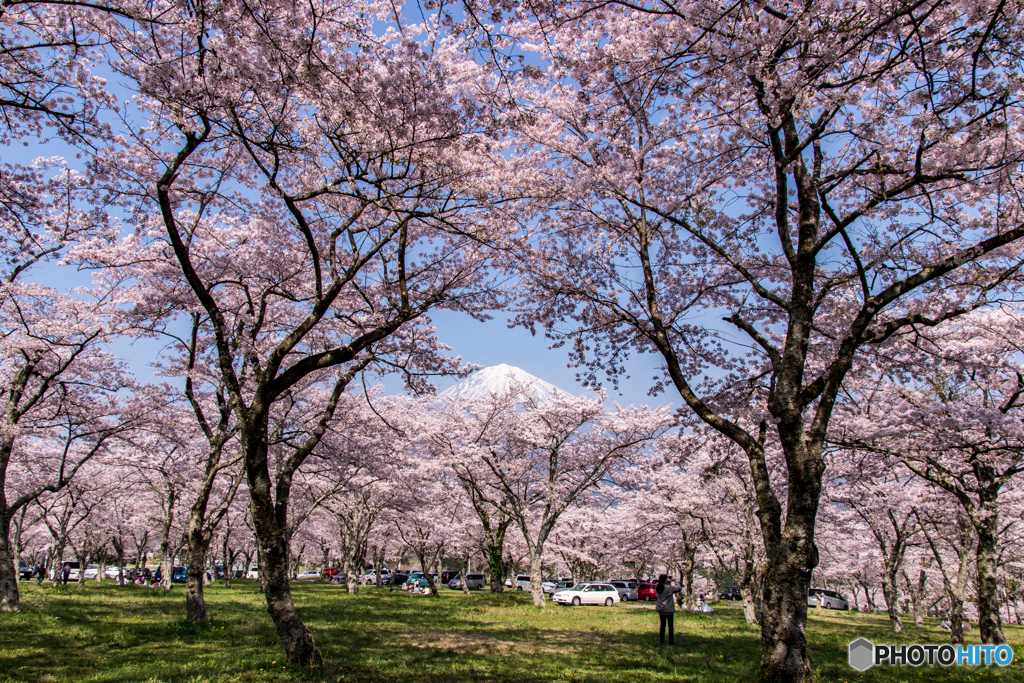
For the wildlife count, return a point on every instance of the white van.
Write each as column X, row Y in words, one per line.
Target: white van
column 522, row 582
column 829, row 599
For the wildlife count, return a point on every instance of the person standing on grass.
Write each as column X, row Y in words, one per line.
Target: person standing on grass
column 666, row 607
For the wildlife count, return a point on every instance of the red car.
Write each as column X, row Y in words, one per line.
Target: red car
column 646, row 591
column 331, row 572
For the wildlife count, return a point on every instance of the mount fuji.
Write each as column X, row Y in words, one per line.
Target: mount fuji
column 498, row 379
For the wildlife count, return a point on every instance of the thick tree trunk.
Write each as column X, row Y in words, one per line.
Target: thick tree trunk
column 956, row 620
column 10, row 598
column 784, row 620
column 786, row 583
column 352, row 581
column 270, row 526
column 916, row 593
column 989, row 622
column 195, row 603
column 83, row 562
column 890, row 590
column 687, row 572
column 495, row 560
column 751, row 604
column 536, row 577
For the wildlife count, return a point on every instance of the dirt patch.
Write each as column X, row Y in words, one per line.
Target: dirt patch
column 542, row 643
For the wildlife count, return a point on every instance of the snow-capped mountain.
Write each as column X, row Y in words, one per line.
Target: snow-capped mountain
column 498, row 379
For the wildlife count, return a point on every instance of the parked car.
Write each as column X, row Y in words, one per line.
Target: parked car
column 25, row 570
column 331, row 572
column 308, row 575
column 829, row 599
column 627, row 590
column 473, row 582
column 91, row 571
column 563, row 584
column 253, row 573
column 397, row 579
column 588, row 594
column 647, row 591
column 112, row 572
column 731, row 593
column 549, row 586
column 179, row 574
column 522, row 582
column 448, row 574
column 421, row 581
column 74, row 568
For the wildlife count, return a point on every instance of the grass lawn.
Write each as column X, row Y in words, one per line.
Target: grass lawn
column 133, row 634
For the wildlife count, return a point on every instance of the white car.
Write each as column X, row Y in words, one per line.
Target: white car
column 829, row 599
column 111, row 572
column 588, row 594
column 311, row 575
column 253, row 573
column 91, row 571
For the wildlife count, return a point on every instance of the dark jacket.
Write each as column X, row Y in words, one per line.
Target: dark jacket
column 666, row 604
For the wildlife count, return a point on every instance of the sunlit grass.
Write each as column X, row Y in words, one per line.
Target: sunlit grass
column 134, row 634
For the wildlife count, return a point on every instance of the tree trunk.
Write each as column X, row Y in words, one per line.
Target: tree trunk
column 751, row 605
column 890, row 590
column 787, row 579
column 495, row 558
column 536, row 589
column 956, row 620
column 10, row 599
column 270, row 526
column 687, row 576
column 195, row 604
column 989, row 622
column 464, row 573
column 83, row 562
column 228, row 559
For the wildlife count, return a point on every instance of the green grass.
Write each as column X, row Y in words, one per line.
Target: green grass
column 132, row 634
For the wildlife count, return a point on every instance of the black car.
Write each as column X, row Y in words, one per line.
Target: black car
column 731, row 593
column 397, row 579
column 449, row 574
column 25, row 570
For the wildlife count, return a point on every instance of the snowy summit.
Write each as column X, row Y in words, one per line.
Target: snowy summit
column 498, row 379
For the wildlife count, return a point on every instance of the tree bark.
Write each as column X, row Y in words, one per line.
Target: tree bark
column 989, row 622
column 270, row 525
column 536, row 577
column 751, row 604
column 891, row 592
column 956, row 619
column 786, row 583
column 495, row 558
column 10, row 598
column 195, row 603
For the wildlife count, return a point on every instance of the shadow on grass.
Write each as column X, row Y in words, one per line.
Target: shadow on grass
column 136, row 634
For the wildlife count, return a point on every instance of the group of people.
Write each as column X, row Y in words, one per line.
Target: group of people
column 62, row 576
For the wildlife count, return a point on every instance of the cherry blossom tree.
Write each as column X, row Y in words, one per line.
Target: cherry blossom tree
column 532, row 459
column 958, row 426
column 320, row 199
column 61, row 408
column 881, row 498
column 816, row 189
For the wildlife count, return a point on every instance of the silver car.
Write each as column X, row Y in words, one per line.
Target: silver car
column 473, row 582
column 626, row 589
